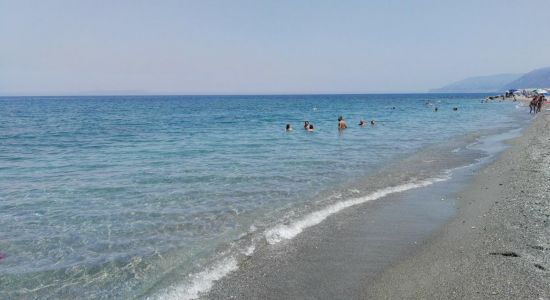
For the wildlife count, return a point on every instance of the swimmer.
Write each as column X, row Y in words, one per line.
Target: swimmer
column 372, row 123
column 306, row 125
column 436, row 109
column 341, row 123
column 310, row 128
column 288, row 127
column 362, row 123
column 455, row 108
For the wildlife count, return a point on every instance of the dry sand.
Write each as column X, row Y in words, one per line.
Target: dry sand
column 498, row 245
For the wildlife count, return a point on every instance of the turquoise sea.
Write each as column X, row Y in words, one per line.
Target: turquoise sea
column 160, row 196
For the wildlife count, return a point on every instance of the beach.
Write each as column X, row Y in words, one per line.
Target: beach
column 187, row 150
column 135, row 197
column 498, row 244
column 495, row 245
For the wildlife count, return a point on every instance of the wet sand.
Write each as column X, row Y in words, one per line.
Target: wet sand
column 498, row 245
column 489, row 237
column 409, row 242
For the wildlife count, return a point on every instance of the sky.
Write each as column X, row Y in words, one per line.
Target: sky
column 50, row 47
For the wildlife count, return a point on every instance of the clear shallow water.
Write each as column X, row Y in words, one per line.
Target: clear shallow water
column 104, row 197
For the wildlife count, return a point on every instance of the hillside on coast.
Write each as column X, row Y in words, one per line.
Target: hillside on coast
column 539, row 78
column 478, row 84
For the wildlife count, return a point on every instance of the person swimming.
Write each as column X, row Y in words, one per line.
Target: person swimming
column 362, row 123
column 436, row 109
column 306, row 125
column 288, row 127
column 455, row 108
column 341, row 123
column 310, row 128
column 372, row 123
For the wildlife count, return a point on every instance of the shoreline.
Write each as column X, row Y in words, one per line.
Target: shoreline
column 498, row 244
column 358, row 244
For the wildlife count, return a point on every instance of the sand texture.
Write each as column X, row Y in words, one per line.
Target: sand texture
column 498, row 246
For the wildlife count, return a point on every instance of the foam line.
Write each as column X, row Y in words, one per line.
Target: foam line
column 286, row 232
column 201, row 282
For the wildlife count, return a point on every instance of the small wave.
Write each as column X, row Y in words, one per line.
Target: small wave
column 249, row 250
column 286, row 232
column 201, row 282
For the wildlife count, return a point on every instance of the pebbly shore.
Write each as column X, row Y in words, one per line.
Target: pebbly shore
column 498, row 245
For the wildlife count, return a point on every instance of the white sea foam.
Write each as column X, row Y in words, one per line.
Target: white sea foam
column 250, row 250
column 200, row 282
column 286, row 232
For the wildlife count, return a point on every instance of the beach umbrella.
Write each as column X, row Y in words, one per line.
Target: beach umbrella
column 540, row 91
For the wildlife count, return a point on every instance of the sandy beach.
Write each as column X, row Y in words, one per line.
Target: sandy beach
column 274, row 150
column 498, row 244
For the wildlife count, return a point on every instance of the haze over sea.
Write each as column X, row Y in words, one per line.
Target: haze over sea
column 155, row 196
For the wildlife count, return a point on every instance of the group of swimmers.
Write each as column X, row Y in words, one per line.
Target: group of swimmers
column 536, row 104
column 341, row 124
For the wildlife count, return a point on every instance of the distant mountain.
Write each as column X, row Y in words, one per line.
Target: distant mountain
column 479, row 84
column 539, row 78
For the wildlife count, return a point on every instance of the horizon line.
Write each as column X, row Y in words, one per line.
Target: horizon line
column 230, row 94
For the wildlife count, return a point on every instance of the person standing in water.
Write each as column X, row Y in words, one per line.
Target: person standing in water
column 539, row 103
column 341, row 123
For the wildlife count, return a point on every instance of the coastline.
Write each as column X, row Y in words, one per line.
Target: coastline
column 317, row 208
column 348, row 251
column 498, row 243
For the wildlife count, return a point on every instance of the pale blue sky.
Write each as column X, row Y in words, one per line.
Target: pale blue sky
column 243, row 47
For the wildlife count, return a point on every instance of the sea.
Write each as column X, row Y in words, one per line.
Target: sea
column 160, row 197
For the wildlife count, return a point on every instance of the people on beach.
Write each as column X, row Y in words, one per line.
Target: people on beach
column 533, row 105
column 536, row 104
column 288, row 127
column 539, row 103
column 341, row 123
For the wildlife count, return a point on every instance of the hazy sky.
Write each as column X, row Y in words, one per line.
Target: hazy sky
column 232, row 47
